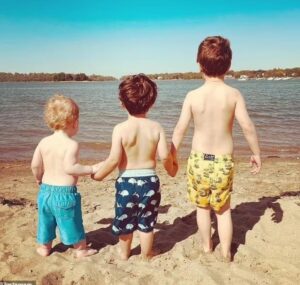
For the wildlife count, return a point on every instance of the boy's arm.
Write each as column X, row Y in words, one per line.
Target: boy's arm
column 71, row 165
column 249, row 131
column 114, row 157
column 37, row 165
column 182, row 125
column 165, row 156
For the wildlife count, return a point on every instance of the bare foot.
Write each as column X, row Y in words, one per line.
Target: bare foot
column 226, row 258
column 85, row 252
column 123, row 255
column 43, row 251
column 153, row 253
column 208, row 249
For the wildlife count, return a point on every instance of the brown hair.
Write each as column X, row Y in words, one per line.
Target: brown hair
column 61, row 112
column 137, row 93
column 214, row 56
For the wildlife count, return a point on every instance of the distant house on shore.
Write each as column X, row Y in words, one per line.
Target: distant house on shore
column 243, row 77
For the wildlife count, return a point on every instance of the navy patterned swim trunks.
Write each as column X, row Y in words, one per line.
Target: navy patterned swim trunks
column 137, row 201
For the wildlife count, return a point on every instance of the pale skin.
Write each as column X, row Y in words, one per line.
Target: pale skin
column 135, row 143
column 213, row 107
column 55, row 162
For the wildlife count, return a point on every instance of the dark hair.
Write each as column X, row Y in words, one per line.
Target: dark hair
column 138, row 93
column 214, row 56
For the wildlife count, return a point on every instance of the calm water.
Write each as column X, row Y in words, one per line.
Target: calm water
column 274, row 107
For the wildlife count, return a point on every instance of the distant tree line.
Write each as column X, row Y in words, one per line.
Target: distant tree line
column 177, row 75
column 276, row 72
column 171, row 76
column 24, row 77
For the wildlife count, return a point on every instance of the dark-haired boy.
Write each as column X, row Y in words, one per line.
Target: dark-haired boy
column 213, row 107
column 135, row 143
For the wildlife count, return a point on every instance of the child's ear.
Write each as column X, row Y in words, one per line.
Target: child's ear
column 76, row 124
column 122, row 105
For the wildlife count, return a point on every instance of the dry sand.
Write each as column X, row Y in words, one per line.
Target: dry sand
column 266, row 241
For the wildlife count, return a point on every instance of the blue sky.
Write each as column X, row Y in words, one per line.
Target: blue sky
column 124, row 37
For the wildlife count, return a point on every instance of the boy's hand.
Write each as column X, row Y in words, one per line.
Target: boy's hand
column 175, row 165
column 175, row 162
column 96, row 167
column 255, row 163
column 173, row 151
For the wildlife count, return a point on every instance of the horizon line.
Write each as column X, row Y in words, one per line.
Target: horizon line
column 146, row 73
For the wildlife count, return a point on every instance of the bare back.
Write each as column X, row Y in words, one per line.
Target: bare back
column 213, row 108
column 139, row 138
column 53, row 150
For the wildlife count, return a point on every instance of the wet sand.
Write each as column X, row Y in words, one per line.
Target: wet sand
column 266, row 244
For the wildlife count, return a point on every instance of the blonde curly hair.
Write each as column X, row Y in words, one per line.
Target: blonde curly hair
column 61, row 112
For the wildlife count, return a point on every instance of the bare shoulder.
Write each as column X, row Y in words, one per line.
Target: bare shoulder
column 119, row 128
column 44, row 142
column 71, row 144
column 234, row 92
column 156, row 126
column 194, row 93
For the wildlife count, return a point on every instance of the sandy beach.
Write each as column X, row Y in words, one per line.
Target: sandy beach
column 266, row 244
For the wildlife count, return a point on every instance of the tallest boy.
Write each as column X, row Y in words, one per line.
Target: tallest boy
column 213, row 108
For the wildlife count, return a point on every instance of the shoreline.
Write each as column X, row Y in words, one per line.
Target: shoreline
column 272, row 79
column 239, row 158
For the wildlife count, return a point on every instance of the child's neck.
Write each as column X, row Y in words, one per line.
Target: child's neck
column 63, row 133
column 218, row 79
column 138, row 116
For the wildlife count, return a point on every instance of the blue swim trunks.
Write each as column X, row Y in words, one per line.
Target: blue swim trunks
column 59, row 206
column 137, row 201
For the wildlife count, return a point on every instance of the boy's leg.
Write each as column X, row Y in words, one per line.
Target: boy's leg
column 44, row 249
column 204, row 225
column 46, row 222
column 125, row 245
column 146, row 240
column 67, row 210
column 83, row 250
column 225, row 230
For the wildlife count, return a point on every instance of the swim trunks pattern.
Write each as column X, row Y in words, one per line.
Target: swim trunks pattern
column 137, row 202
column 210, row 179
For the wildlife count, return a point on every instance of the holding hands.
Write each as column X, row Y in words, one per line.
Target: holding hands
column 173, row 153
column 96, row 167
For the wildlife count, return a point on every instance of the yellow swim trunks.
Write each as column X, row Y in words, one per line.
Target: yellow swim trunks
column 210, row 179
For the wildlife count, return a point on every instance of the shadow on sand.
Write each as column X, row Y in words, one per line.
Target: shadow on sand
column 102, row 237
column 97, row 239
column 244, row 216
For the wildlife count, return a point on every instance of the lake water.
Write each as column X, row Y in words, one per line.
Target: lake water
column 274, row 107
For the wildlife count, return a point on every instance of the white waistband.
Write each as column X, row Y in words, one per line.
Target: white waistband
column 137, row 172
